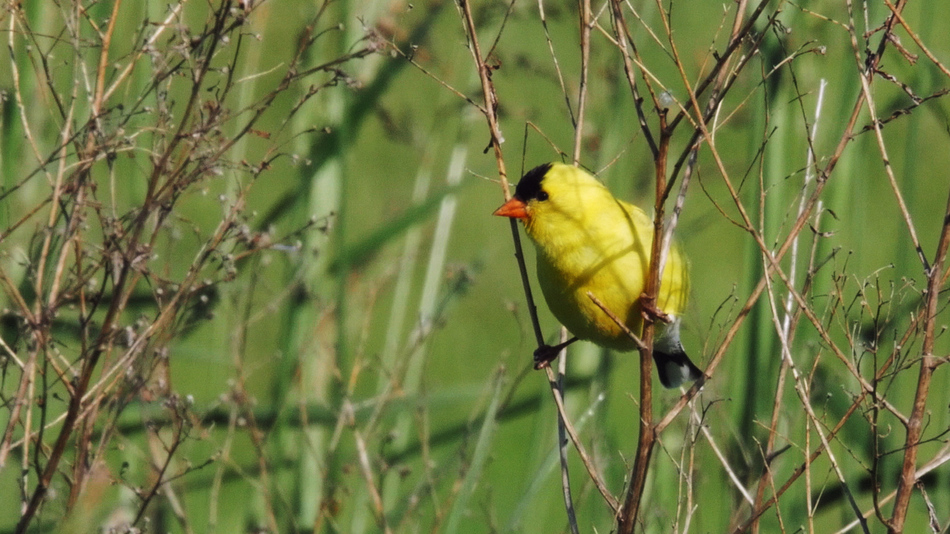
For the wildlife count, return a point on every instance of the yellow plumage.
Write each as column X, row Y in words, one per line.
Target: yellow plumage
column 588, row 241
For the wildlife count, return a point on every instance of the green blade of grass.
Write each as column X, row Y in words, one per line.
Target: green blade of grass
column 479, row 457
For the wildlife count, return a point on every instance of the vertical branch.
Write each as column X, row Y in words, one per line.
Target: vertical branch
column 927, row 365
column 622, row 37
column 91, row 358
column 788, row 323
column 490, row 112
column 557, row 65
column 661, row 243
column 647, row 435
column 585, row 26
column 490, row 109
column 562, row 439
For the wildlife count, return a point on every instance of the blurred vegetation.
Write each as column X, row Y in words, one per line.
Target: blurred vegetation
column 250, row 280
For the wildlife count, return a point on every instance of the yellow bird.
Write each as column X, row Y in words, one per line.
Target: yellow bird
column 588, row 241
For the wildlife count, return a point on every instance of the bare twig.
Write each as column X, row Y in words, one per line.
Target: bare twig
column 928, row 363
column 620, row 324
column 562, row 423
column 367, row 470
column 581, row 451
column 556, row 390
column 584, row 24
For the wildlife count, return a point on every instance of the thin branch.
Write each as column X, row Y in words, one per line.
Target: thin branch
column 584, row 24
column 557, row 64
column 928, row 363
column 562, row 423
column 581, row 452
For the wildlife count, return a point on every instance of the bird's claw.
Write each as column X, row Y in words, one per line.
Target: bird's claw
column 649, row 310
column 544, row 355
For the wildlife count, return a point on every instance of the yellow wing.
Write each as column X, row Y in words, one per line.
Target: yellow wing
column 606, row 252
column 588, row 242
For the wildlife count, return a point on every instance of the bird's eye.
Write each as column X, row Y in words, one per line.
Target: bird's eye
column 542, row 195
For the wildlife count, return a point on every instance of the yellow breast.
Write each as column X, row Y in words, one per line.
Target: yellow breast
column 602, row 246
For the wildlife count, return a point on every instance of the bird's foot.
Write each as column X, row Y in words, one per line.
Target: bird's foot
column 545, row 354
column 649, row 310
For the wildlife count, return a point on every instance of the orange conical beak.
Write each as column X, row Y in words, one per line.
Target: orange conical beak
column 514, row 208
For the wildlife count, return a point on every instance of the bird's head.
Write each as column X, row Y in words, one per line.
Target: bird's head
column 552, row 194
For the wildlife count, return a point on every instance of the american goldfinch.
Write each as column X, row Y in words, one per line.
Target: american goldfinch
column 590, row 242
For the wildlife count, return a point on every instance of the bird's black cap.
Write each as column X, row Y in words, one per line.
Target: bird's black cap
column 529, row 188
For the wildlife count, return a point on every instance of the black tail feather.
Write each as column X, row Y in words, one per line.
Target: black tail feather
column 675, row 368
